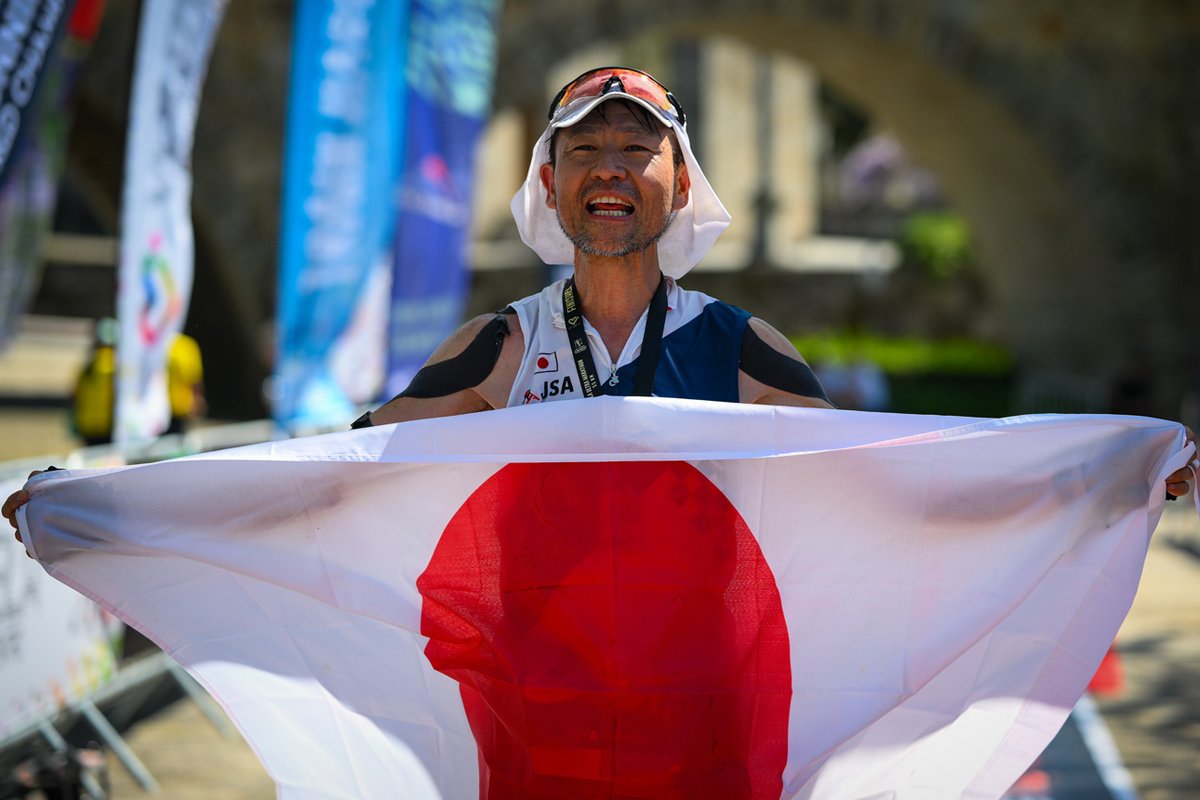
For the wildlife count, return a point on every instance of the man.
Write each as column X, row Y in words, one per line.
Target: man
column 613, row 186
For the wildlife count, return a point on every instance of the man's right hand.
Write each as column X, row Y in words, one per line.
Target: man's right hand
column 15, row 501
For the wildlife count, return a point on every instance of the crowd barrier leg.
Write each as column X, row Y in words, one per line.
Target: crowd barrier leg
column 121, row 750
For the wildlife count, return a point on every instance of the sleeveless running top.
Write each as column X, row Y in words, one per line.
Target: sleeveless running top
column 701, row 349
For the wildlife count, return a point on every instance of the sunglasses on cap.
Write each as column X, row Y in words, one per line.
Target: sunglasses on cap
column 605, row 80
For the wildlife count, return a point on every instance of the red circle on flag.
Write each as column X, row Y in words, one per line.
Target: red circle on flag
column 543, row 362
column 615, row 632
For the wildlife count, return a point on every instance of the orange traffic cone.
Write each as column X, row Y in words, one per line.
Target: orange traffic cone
column 1109, row 678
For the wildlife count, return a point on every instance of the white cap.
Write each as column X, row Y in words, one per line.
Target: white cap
column 688, row 238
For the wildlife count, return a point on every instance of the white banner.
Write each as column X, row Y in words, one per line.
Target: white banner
column 154, row 283
column 634, row 597
column 54, row 643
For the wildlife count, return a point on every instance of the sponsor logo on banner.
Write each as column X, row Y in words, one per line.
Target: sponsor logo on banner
column 431, row 191
column 162, row 304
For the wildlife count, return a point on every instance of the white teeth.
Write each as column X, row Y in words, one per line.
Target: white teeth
column 625, row 210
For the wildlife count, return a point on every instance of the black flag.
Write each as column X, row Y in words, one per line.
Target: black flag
column 28, row 32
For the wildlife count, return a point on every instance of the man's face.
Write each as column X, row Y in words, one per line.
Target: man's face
column 615, row 185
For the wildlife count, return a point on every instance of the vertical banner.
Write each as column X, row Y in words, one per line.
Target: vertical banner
column 35, row 79
column 345, row 119
column 28, row 30
column 451, row 62
column 154, row 280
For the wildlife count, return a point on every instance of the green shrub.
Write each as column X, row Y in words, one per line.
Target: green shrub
column 908, row 355
column 939, row 242
column 961, row 377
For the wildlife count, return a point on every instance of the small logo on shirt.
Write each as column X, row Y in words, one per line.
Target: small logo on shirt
column 546, row 362
column 531, row 397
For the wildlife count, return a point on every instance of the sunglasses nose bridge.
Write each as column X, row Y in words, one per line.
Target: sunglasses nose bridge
column 613, row 84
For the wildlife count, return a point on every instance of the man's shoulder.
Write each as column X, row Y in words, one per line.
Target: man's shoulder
column 690, row 304
column 536, row 311
column 470, row 330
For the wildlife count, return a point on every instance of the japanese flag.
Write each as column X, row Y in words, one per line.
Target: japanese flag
column 633, row 597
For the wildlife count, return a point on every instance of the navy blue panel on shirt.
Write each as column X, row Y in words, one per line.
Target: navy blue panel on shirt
column 699, row 360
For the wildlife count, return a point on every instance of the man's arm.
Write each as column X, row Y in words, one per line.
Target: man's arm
column 774, row 373
column 488, row 384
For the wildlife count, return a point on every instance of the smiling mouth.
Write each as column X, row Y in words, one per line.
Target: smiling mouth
column 609, row 207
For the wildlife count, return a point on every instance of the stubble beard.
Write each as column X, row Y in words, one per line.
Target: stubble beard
column 632, row 244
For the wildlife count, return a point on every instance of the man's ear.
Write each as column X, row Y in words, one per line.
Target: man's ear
column 683, row 187
column 546, row 173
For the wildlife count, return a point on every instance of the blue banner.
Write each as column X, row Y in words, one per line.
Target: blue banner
column 345, row 127
column 451, row 63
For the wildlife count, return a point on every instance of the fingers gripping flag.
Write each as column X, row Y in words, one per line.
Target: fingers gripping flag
column 633, row 597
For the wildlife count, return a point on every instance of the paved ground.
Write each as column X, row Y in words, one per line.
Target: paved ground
column 1155, row 720
column 191, row 760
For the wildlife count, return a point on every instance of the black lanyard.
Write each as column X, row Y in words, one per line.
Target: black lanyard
column 589, row 382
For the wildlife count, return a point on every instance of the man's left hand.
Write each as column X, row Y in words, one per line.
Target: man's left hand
column 1179, row 482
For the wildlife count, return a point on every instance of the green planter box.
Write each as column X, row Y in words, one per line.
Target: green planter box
column 955, row 395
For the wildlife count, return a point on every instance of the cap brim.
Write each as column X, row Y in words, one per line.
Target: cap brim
column 574, row 112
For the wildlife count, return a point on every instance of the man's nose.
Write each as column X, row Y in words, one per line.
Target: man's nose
column 610, row 165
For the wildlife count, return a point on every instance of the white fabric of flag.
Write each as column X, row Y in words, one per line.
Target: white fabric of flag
column 642, row 597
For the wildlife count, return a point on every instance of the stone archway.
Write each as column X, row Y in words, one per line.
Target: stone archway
column 1013, row 105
